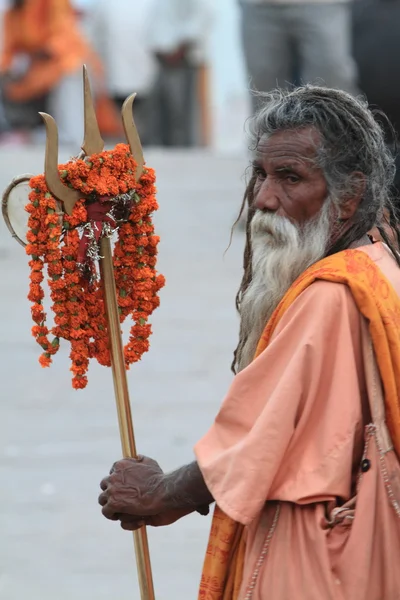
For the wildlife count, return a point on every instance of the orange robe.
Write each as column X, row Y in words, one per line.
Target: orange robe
column 286, row 452
column 44, row 27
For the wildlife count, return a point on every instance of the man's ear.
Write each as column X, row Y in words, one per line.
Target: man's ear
column 350, row 203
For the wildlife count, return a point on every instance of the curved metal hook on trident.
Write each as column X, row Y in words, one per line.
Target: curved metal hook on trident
column 93, row 144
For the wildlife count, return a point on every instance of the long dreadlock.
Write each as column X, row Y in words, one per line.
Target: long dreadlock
column 352, row 142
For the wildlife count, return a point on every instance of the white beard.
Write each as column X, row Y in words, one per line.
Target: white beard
column 281, row 252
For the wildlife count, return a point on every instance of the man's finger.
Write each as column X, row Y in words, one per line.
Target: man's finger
column 129, row 518
column 115, row 466
column 104, row 483
column 103, row 498
column 121, row 464
column 113, row 518
column 109, row 512
column 132, row 525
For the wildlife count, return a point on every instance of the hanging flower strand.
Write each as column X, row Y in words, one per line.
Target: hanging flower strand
column 67, row 246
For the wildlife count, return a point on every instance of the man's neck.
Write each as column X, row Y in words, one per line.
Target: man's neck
column 364, row 241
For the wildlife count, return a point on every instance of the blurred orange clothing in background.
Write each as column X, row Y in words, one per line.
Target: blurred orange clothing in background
column 47, row 32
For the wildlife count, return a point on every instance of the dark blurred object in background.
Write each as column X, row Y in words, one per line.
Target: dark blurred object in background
column 376, row 27
column 24, row 115
column 178, row 37
column 312, row 38
column 376, row 36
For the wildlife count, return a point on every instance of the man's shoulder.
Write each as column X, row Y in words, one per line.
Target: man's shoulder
column 321, row 301
column 321, row 309
column 329, row 293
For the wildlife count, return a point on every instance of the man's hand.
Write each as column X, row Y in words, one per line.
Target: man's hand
column 134, row 487
column 138, row 493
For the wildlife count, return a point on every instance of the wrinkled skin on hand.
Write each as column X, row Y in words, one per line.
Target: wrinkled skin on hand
column 169, row 517
column 134, row 488
column 138, row 493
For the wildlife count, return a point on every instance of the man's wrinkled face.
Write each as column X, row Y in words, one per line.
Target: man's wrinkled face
column 290, row 229
column 289, row 183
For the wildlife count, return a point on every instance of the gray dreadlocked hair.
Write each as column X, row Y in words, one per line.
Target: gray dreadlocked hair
column 351, row 141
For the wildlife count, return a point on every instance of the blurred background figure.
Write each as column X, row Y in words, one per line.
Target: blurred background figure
column 178, row 37
column 43, row 50
column 41, row 64
column 377, row 52
column 285, row 40
column 118, row 33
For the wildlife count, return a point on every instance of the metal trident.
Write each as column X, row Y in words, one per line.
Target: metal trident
column 93, row 144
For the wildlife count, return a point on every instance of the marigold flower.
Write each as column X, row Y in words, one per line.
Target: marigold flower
column 78, row 305
column 45, row 360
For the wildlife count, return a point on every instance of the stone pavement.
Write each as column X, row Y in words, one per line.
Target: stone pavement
column 56, row 444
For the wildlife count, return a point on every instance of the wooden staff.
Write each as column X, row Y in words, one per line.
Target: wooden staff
column 123, row 406
column 94, row 144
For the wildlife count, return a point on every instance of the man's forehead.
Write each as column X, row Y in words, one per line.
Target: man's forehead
column 294, row 143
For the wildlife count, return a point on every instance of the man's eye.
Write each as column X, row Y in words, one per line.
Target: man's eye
column 261, row 174
column 292, row 178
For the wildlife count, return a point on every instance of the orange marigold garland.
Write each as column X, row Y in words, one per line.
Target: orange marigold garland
column 112, row 201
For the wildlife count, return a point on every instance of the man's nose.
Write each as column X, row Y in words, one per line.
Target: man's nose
column 267, row 196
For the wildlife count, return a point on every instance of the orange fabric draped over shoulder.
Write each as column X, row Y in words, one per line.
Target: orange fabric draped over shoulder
column 378, row 302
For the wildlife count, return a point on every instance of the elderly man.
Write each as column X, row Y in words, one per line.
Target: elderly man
column 302, row 457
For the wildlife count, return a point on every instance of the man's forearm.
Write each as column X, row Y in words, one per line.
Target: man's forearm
column 186, row 488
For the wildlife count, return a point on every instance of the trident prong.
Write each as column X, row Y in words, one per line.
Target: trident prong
column 92, row 144
column 92, row 141
column 63, row 193
column 131, row 134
